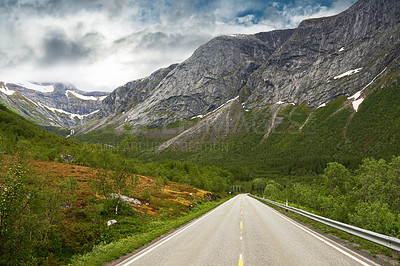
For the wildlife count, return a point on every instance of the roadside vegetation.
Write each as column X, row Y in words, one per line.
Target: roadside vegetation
column 53, row 211
column 368, row 198
column 106, row 252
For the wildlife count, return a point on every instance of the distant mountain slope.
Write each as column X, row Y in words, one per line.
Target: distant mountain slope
column 298, row 141
column 21, row 137
column 51, row 104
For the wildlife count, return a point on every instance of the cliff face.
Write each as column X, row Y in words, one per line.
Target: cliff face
column 133, row 93
column 214, row 74
column 329, row 57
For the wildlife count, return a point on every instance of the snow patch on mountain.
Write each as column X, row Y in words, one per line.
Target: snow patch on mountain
column 33, row 86
column 60, row 111
column 84, row 97
column 357, row 103
column 348, row 73
column 6, row 91
column 197, row 116
column 356, row 100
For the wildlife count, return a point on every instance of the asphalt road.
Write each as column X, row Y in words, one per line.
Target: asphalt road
column 243, row 231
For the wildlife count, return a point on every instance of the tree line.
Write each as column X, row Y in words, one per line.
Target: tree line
column 368, row 197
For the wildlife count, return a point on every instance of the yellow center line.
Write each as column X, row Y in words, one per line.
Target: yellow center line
column 240, row 262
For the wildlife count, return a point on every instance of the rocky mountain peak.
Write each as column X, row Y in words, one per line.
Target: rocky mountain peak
column 214, row 74
column 365, row 37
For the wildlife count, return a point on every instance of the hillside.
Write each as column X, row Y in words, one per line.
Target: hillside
column 52, row 211
column 69, row 212
column 300, row 141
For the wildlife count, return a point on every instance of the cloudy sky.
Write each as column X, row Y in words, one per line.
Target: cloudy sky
column 102, row 44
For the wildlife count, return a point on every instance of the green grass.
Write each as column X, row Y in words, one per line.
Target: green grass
column 181, row 123
column 106, row 135
column 107, row 252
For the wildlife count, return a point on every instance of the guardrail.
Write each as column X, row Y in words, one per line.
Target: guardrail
column 383, row 240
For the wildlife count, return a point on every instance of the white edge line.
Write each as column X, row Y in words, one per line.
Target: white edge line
column 153, row 247
column 321, row 238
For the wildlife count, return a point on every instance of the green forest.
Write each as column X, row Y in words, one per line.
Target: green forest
column 332, row 134
column 368, row 198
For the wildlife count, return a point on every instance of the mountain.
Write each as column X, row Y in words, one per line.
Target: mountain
column 321, row 60
column 289, row 100
column 51, row 104
column 214, row 74
column 348, row 55
column 326, row 58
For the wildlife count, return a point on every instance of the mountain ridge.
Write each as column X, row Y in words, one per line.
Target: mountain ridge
column 51, row 104
column 212, row 75
column 305, row 67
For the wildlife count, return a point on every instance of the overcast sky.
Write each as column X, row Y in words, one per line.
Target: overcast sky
column 102, row 44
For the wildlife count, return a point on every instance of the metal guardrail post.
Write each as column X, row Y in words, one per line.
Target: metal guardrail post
column 383, row 240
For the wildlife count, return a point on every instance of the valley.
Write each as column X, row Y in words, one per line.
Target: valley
column 308, row 115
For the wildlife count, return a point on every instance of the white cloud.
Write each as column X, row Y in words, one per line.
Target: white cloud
column 101, row 44
column 246, row 20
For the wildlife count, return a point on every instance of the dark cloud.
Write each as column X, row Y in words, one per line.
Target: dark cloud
column 8, row 3
column 58, row 47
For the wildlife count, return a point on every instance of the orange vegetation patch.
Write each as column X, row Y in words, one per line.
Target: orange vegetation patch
column 56, row 172
column 163, row 195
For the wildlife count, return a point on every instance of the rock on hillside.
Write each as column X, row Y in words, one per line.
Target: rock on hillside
column 133, row 93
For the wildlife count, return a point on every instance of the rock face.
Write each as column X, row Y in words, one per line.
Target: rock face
column 325, row 58
column 51, row 104
column 214, row 74
column 311, row 66
column 133, row 93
